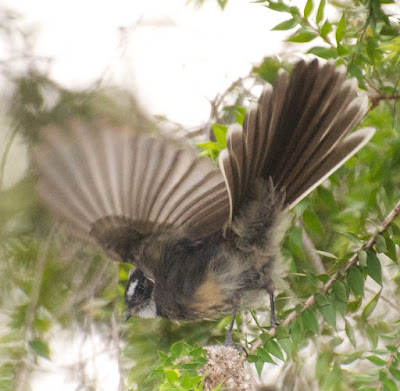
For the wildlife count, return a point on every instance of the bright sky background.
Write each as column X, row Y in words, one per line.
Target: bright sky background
column 173, row 56
column 172, row 47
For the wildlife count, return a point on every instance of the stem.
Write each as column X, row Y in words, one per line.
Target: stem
column 5, row 154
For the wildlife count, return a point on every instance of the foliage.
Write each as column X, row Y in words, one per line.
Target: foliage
column 178, row 368
column 346, row 328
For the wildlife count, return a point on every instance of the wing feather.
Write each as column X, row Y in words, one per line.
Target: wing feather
column 103, row 181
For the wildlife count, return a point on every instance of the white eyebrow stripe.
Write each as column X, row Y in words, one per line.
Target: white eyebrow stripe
column 131, row 289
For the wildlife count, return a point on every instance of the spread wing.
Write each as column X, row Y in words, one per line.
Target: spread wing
column 116, row 188
column 297, row 134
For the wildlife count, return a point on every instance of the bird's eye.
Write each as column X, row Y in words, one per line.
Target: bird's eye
column 140, row 289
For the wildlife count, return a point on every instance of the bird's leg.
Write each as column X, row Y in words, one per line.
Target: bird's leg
column 273, row 321
column 269, row 286
column 228, row 339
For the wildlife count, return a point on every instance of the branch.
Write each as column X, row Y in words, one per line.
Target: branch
column 388, row 365
column 7, row 148
column 394, row 213
column 376, row 99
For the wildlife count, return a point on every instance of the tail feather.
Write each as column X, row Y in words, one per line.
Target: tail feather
column 297, row 135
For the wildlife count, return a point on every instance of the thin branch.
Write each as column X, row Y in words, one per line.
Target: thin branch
column 215, row 103
column 394, row 213
column 5, row 154
column 389, row 364
column 376, row 99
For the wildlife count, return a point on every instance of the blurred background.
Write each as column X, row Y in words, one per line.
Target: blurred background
column 177, row 67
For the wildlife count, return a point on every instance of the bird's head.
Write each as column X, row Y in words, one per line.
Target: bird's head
column 139, row 298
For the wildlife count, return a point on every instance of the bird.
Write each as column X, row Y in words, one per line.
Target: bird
column 204, row 239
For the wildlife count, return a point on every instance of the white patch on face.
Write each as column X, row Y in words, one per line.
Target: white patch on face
column 149, row 311
column 131, row 289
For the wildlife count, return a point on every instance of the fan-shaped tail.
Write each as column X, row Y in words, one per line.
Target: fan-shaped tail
column 297, row 135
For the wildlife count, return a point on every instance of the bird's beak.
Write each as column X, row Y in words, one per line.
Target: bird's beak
column 127, row 315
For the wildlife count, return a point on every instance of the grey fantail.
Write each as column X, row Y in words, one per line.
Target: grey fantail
column 203, row 240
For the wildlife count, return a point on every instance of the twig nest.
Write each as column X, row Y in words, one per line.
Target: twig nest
column 225, row 366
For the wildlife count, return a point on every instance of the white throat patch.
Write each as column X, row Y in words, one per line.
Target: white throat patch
column 149, row 311
column 131, row 289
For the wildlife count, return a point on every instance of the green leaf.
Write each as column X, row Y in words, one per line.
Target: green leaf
column 351, row 236
column 326, row 29
column 394, row 371
column 362, row 258
column 295, row 332
column 222, row 3
column 42, row 325
column 326, row 254
column 350, row 332
column 286, row 25
column 355, row 280
column 321, row 299
column 354, row 70
column 277, row 6
column 395, row 228
column 272, row 347
column 322, row 52
column 351, row 357
column 308, row 8
column 373, row 334
column 367, row 311
column 283, row 337
column 391, row 248
column 178, row 348
column 259, row 367
column 310, row 321
column 296, row 244
column 327, row 196
column 380, row 244
column 40, row 348
column 340, row 291
column 302, row 206
column 376, row 360
column 326, row 309
column 268, row 69
column 322, row 365
column 340, row 297
column 374, row 268
column 320, row 12
column 312, row 221
column 389, row 385
column 240, row 112
column 286, row 345
column 302, row 35
column 265, row 356
column 172, row 375
column 341, row 29
column 220, row 133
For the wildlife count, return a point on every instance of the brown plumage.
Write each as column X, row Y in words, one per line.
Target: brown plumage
column 204, row 240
